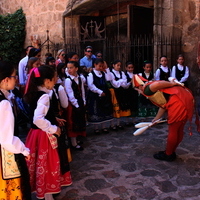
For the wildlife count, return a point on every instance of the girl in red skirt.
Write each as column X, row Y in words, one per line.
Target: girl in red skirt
column 44, row 166
column 76, row 123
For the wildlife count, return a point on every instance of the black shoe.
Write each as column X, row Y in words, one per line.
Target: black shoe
column 79, row 142
column 97, row 131
column 113, row 128
column 77, row 148
column 161, row 155
column 105, row 130
column 120, row 127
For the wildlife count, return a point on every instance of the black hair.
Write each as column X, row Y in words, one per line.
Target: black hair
column 48, row 54
column 146, row 62
column 163, row 56
column 60, row 66
column 76, row 64
column 6, row 69
column 116, row 61
column 33, row 52
column 129, row 63
column 71, row 54
column 88, row 47
column 180, row 55
column 45, row 72
column 98, row 60
column 48, row 59
column 98, row 53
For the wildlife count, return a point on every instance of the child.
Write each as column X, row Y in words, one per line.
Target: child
column 163, row 72
column 76, row 110
column 120, row 102
column 60, row 57
column 44, row 166
column 99, row 98
column 179, row 71
column 146, row 108
column 50, row 61
column 132, row 94
column 61, row 72
column 15, row 186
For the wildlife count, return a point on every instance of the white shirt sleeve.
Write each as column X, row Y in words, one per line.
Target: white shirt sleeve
column 40, row 113
column 7, row 139
column 108, row 75
column 185, row 77
column 173, row 74
column 63, row 96
column 124, row 84
column 83, row 91
column 115, row 84
column 21, row 70
column 157, row 75
column 91, row 86
column 70, row 92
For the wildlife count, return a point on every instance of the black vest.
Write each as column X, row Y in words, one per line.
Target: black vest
column 164, row 75
column 179, row 73
column 50, row 116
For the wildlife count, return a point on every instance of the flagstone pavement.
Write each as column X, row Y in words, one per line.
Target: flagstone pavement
column 120, row 166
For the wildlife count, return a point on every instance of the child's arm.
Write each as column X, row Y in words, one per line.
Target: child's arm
column 157, row 75
column 186, row 75
column 70, row 92
column 91, row 86
column 7, row 139
column 173, row 73
column 40, row 113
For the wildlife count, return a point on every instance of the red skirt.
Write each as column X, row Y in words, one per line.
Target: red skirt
column 44, row 165
column 70, row 131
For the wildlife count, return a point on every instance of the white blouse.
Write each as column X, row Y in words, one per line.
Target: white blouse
column 121, row 82
column 90, row 80
column 41, row 110
column 62, row 96
column 7, row 139
column 70, row 92
column 181, row 67
column 157, row 74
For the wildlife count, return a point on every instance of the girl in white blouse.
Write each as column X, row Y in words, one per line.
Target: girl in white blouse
column 76, row 123
column 45, row 165
column 99, row 104
column 119, row 84
column 10, row 187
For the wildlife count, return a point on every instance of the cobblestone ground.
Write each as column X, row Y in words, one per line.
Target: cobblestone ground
column 120, row 166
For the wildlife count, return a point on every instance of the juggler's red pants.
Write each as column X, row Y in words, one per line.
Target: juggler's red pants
column 175, row 136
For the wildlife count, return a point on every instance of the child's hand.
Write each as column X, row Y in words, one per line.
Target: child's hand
column 28, row 157
column 61, row 122
column 103, row 94
column 58, row 132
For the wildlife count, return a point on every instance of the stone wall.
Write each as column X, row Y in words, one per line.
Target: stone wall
column 40, row 15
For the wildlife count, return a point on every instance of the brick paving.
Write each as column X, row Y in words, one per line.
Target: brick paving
column 120, row 166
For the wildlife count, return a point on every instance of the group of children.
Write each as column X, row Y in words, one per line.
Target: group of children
column 62, row 98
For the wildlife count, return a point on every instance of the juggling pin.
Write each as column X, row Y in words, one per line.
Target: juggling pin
column 171, row 79
column 141, row 130
column 142, row 124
